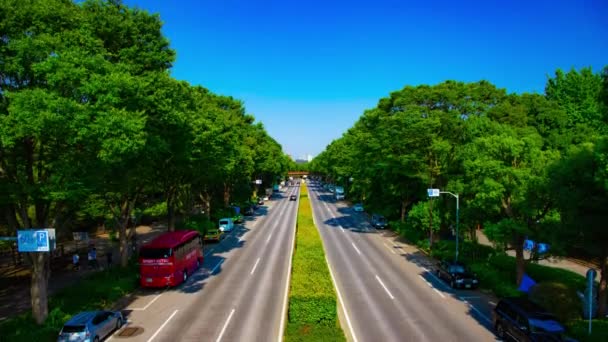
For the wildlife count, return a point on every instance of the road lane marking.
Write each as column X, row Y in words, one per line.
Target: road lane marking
column 145, row 307
column 210, row 251
column 162, row 326
column 390, row 249
column 285, row 301
column 479, row 312
column 385, row 289
column 350, row 326
column 431, row 286
column 219, row 338
column 254, row 266
column 355, row 247
column 268, row 239
column 216, row 266
column 469, row 297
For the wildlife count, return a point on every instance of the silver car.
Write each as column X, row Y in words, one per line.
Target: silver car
column 91, row 326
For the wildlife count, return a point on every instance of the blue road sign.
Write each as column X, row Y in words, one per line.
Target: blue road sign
column 432, row 192
column 35, row 240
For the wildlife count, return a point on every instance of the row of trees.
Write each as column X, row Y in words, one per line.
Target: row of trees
column 525, row 165
column 92, row 121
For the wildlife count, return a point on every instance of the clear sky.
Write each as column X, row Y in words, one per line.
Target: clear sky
column 308, row 69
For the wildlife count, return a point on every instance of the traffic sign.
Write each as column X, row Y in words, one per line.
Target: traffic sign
column 36, row 240
column 433, row 192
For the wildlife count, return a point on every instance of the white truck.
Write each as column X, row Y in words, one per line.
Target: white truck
column 339, row 193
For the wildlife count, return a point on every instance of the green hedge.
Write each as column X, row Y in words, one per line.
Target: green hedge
column 599, row 330
column 312, row 314
column 97, row 291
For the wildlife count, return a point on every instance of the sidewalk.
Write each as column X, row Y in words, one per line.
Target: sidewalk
column 15, row 283
column 574, row 265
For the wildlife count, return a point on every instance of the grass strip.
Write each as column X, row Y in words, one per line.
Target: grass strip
column 96, row 291
column 312, row 314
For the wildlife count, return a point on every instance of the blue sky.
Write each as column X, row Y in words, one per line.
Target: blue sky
column 308, row 69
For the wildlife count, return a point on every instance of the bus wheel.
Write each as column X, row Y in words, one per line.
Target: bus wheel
column 185, row 276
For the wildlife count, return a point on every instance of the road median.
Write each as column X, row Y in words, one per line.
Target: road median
column 312, row 313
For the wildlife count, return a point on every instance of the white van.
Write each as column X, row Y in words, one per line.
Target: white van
column 226, row 225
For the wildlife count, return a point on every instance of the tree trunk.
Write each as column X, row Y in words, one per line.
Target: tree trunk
column 602, row 295
column 520, row 262
column 125, row 211
column 39, row 285
column 170, row 211
column 206, row 198
column 226, row 195
column 404, row 204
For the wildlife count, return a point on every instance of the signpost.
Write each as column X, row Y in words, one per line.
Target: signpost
column 591, row 274
column 433, row 192
column 36, row 240
column 436, row 193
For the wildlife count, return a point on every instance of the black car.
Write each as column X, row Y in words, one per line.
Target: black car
column 456, row 274
column 519, row 319
column 248, row 211
column 292, row 197
column 379, row 221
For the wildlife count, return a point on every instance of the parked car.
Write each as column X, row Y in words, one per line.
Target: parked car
column 520, row 319
column 90, row 326
column 379, row 221
column 226, row 224
column 293, row 197
column 358, row 207
column 456, row 274
column 213, row 234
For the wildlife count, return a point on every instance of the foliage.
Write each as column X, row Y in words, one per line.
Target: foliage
column 97, row 291
column 578, row 329
column 312, row 298
column 558, row 299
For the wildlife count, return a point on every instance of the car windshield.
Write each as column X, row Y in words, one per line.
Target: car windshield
column 457, row 269
column 549, row 325
column 73, row 329
column 155, row 253
column 381, row 219
column 224, row 222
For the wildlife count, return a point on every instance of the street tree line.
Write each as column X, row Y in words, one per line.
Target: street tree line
column 93, row 125
column 526, row 166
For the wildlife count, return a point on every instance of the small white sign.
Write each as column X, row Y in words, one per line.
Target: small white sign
column 258, row 181
column 433, row 192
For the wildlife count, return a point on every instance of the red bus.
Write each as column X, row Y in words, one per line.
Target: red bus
column 170, row 258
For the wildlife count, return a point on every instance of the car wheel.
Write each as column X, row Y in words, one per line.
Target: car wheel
column 118, row 324
column 185, row 276
column 438, row 274
column 500, row 331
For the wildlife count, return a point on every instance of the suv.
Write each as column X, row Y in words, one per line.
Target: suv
column 520, row 319
column 379, row 221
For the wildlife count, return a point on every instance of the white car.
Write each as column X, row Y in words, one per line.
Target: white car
column 226, row 225
column 358, row 207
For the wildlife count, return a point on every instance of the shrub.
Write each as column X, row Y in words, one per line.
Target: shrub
column 501, row 283
column 558, row 299
column 599, row 332
column 312, row 313
column 155, row 211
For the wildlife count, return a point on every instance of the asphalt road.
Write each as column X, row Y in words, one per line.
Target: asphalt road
column 387, row 289
column 238, row 295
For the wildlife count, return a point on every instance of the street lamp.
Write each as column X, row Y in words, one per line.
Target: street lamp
column 435, row 193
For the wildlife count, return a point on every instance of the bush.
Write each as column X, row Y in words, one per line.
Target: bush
column 558, row 299
column 499, row 282
column 97, row 291
column 312, row 314
column 469, row 251
column 156, row 211
column 199, row 223
column 599, row 331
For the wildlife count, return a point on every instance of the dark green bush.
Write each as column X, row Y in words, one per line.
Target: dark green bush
column 501, row 283
column 599, row 332
column 558, row 299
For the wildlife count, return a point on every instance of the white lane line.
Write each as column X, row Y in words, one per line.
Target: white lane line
column 431, row 286
column 268, row 239
column 390, row 249
column 479, row 312
column 145, row 307
column 491, row 302
column 219, row 338
column 209, row 252
column 254, row 266
column 385, row 289
column 285, row 301
column 350, row 326
column 216, row 266
column 162, row 326
column 355, row 247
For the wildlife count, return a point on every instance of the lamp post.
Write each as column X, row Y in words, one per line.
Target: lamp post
column 435, row 193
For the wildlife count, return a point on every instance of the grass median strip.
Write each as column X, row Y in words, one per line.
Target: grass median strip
column 312, row 314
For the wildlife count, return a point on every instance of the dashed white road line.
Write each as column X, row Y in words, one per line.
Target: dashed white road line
column 268, row 238
column 216, row 266
column 431, row 286
column 219, row 338
column 385, row 289
column 355, row 247
column 145, row 307
column 209, row 252
column 254, row 266
column 350, row 326
column 390, row 249
column 162, row 326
